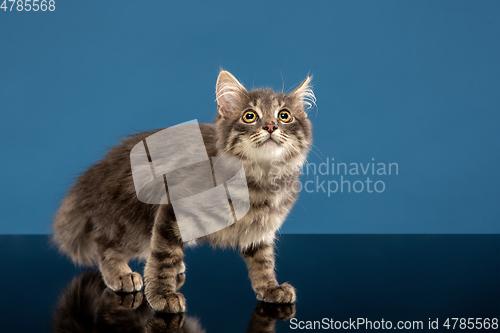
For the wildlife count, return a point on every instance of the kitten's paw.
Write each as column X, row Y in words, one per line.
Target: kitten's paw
column 171, row 302
column 284, row 293
column 125, row 283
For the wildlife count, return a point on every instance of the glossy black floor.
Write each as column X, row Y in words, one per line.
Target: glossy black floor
column 339, row 277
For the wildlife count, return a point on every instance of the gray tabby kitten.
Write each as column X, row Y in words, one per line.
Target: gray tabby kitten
column 101, row 221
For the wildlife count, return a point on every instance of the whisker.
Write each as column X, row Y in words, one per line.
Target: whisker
column 305, row 159
column 318, row 155
column 317, row 149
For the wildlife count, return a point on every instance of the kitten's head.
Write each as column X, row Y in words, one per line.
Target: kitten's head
column 261, row 125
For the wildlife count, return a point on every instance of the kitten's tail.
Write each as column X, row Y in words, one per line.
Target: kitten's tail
column 72, row 233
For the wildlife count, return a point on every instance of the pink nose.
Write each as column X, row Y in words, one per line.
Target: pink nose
column 270, row 128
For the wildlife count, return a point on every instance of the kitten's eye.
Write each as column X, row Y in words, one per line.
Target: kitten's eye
column 249, row 117
column 285, row 116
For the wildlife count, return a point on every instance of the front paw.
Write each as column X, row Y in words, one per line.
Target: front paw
column 127, row 283
column 284, row 293
column 172, row 302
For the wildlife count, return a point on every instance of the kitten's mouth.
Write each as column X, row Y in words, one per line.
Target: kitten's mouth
column 270, row 141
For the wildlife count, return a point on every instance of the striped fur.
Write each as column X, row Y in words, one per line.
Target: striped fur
column 101, row 222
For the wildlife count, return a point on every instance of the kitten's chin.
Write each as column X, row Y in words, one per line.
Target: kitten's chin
column 266, row 153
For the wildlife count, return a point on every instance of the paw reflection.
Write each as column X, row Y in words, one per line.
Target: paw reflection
column 87, row 305
column 167, row 322
column 122, row 300
column 265, row 315
column 275, row 311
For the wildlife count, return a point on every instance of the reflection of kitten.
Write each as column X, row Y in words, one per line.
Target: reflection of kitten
column 88, row 306
column 101, row 222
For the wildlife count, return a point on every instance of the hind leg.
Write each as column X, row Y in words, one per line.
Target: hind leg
column 116, row 272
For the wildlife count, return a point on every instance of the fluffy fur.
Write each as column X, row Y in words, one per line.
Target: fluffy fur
column 101, row 222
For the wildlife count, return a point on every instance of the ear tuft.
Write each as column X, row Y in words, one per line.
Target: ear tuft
column 229, row 93
column 305, row 93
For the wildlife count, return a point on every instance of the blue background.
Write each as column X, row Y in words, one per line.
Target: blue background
column 408, row 82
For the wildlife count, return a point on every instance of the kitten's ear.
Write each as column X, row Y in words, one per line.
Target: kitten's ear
column 305, row 94
column 229, row 93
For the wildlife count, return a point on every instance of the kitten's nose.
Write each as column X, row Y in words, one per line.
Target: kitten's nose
column 270, row 128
